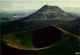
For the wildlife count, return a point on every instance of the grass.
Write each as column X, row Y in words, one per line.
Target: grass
column 24, row 37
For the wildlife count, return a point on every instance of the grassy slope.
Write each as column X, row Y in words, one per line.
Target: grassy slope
column 25, row 38
column 67, row 46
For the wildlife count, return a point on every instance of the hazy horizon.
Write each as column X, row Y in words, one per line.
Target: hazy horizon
column 16, row 5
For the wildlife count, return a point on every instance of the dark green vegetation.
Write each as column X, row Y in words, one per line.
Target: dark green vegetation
column 66, row 45
column 4, row 19
column 25, row 38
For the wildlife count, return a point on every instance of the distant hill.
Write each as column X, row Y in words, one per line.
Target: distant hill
column 6, row 17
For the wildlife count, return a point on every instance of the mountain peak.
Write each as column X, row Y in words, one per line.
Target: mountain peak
column 50, row 9
column 48, row 5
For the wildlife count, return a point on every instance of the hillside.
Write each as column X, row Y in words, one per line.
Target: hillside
column 72, row 26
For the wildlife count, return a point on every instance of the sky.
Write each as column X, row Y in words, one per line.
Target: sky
column 16, row 5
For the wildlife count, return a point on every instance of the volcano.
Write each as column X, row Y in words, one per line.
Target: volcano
column 43, row 17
